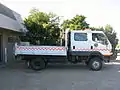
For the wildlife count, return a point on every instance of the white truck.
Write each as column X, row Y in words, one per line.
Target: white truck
column 89, row 47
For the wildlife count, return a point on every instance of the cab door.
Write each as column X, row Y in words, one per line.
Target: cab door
column 101, row 43
column 80, row 41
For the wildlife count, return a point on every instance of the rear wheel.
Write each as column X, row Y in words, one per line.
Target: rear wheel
column 95, row 64
column 37, row 64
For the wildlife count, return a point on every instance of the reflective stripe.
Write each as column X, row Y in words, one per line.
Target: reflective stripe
column 38, row 48
column 86, row 49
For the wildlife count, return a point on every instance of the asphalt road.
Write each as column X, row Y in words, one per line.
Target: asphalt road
column 60, row 77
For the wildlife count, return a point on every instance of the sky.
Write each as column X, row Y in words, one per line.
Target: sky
column 98, row 12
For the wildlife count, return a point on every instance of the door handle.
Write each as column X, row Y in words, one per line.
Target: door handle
column 73, row 47
column 91, row 47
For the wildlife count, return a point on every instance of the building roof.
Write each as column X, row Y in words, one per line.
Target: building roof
column 11, row 20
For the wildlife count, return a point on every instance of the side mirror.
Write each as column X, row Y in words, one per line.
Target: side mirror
column 106, row 42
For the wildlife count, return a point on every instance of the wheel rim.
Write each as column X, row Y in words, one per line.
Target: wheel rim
column 96, row 64
column 37, row 64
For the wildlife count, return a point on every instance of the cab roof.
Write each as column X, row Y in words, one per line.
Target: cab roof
column 86, row 31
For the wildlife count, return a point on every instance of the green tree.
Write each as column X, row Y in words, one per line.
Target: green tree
column 111, row 34
column 76, row 23
column 42, row 28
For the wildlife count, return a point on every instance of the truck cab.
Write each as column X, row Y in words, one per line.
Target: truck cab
column 84, row 42
column 89, row 47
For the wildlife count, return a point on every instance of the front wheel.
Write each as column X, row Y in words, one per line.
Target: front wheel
column 95, row 63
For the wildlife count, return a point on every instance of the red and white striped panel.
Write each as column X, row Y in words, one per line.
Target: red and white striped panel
column 86, row 49
column 41, row 48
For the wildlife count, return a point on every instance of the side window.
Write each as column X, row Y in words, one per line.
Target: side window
column 100, row 37
column 80, row 36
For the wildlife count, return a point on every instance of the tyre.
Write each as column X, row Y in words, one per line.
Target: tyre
column 95, row 64
column 37, row 64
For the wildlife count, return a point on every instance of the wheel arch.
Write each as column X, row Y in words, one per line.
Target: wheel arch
column 95, row 54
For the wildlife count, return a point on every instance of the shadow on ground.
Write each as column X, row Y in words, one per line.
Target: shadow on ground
column 19, row 65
